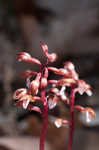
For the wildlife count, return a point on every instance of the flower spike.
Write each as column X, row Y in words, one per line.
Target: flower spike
column 64, row 88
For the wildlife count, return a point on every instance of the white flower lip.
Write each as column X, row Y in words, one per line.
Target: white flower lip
column 58, row 123
column 51, row 104
column 62, row 91
column 89, row 92
column 26, row 103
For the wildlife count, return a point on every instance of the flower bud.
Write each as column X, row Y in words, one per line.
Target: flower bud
column 43, row 82
column 69, row 65
column 71, row 68
column 53, row 82
column 52, row 57
column 34, row 86
column 46, row 73
column 55, row 70
column 66, row 82
column 60, row 71
column 23, row 56
column 44, row 47
column 35, row 61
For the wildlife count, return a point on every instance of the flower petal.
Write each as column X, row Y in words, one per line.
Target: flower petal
column 37, row 109
column 19, row 93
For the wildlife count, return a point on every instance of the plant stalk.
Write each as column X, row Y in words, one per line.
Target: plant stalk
column 71, row 128
column 45, row 120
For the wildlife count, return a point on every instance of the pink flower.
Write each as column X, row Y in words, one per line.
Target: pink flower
column 89, row 112
column 20, row 93
column 23, row 98
column 29, row 107
column 83, row 87
column 71, row 68
column 23, row 56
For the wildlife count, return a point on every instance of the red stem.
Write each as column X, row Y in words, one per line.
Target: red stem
column 45, row 119
column 71, row 129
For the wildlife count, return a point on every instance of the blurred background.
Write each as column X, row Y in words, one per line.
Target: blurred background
column 69, row 28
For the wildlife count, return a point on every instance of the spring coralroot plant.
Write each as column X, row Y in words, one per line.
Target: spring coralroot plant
column 38, row 90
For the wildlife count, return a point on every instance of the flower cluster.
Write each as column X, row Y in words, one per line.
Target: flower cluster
column 25, row 97
column 36, row 89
